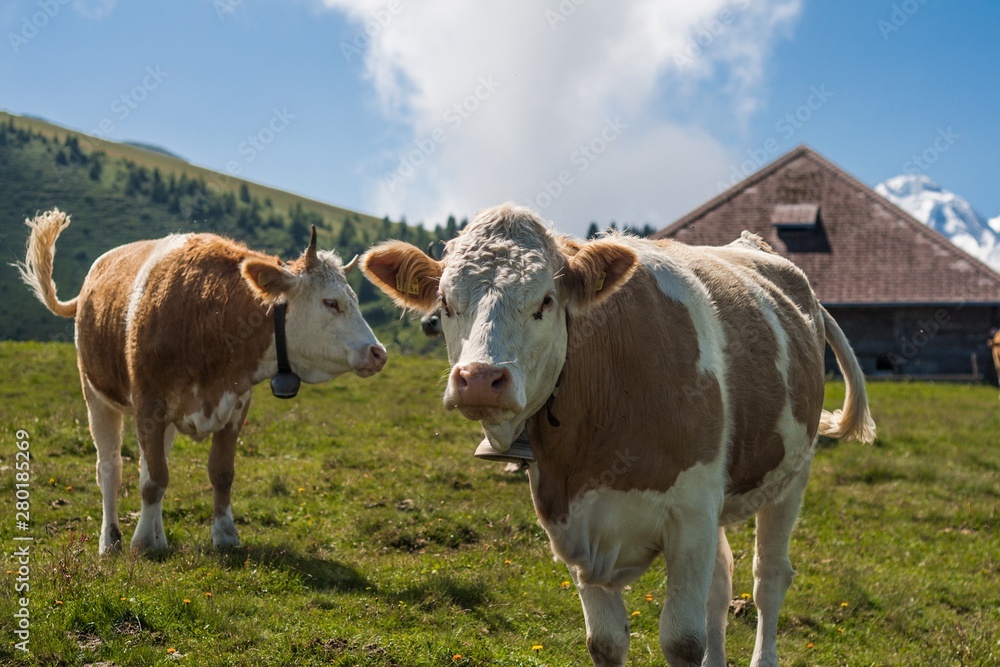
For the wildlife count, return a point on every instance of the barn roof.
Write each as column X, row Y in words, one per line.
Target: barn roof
column 857, row 247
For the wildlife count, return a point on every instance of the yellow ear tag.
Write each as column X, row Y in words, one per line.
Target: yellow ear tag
column 600, row 281
column 262, row 279
column 414, row 287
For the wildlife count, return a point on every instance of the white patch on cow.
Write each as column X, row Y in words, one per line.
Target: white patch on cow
column 798, row 454
column 609, row 537
column 197, row 425
column 224, row 533
column 106, row 429
column 164, row 247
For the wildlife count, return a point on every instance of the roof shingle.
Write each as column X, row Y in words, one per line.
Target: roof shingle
column 861, row 249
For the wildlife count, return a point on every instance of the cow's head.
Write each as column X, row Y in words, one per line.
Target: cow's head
column 504, row 288
column 325, row 332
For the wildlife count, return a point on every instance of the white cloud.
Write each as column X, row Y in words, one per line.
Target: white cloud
column 497, row 100
column 94, row 9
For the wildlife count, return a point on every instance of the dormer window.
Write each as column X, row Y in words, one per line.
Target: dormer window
column 795, row 216
column 800, row 228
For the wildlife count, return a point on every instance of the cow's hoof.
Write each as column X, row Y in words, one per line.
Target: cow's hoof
column 111, row 541
column 224, row 534
column 149, row 544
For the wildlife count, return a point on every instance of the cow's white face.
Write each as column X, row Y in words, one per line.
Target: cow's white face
column 504, row 289
column 325, row 332
column 504, row 322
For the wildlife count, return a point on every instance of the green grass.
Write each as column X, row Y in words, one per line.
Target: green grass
column 373, row 537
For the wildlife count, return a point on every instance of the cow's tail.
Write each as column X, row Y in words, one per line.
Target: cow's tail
column 36, row 270
column 854, row 421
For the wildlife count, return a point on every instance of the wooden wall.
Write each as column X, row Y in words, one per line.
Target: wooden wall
column 928, row 341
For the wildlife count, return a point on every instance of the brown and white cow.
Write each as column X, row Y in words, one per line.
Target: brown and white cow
column 176, row 332
column 667, row 391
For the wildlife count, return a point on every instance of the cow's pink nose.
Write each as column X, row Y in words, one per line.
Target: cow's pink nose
column 481, row 384
column 376, row 357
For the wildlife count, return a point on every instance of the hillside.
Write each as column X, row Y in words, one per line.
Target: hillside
column 118, row 193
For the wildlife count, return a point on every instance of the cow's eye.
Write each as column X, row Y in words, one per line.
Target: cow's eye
column 332, row 304
column 444, row 305
column 546, row 304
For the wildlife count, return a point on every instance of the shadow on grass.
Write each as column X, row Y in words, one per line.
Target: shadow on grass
column 317, row 574
column 442, row 590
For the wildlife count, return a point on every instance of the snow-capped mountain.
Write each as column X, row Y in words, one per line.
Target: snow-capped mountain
column 946, row 213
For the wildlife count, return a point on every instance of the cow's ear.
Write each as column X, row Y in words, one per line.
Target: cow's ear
column 596, row 271
column 405, row 273
column 268, row 280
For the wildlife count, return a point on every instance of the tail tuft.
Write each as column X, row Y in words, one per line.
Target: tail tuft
column 36, row 270
column 854, row 421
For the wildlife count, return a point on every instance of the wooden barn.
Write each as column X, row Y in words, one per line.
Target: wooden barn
column 911, row 302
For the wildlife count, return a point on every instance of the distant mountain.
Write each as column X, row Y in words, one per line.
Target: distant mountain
column 154, row 148
column 946, row 213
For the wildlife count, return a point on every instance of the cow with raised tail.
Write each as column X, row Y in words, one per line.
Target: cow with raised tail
column 176, row 332
column 667, row 391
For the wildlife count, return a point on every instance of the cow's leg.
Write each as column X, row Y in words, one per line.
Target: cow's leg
column 155, row 440
column 719, row 596
column 692, row 538
column 772, row 571
column 221, row 471
column 607, row 624
column 106, row 429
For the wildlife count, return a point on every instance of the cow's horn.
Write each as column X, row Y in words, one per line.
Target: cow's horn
column 350, row 265
column 311, row 259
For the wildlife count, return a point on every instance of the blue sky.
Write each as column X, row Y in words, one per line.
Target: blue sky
column 635, row 111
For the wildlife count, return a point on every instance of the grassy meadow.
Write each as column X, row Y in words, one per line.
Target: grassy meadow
column 373, row 537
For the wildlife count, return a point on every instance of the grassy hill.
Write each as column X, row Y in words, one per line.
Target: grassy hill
column 373, row 537
column 118, row 193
